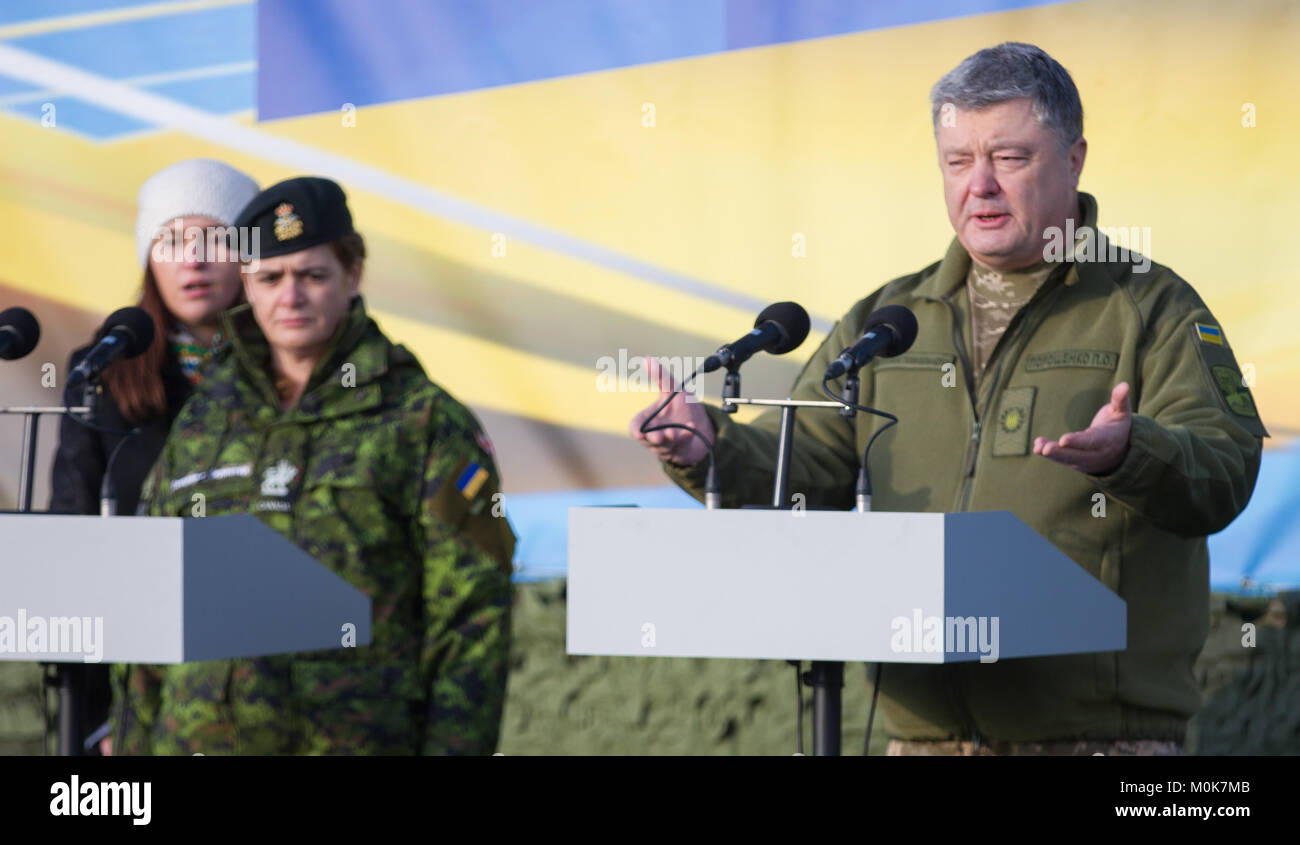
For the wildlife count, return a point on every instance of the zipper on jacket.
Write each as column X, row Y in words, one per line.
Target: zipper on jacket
column 973, row 446
column 972, row 450
column 1049, row 286
column 948, row 671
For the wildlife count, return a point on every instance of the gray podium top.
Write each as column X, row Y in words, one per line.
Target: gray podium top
column 822, row 585
column 165, row 590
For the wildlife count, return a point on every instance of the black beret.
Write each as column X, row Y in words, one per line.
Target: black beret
column 297, row 214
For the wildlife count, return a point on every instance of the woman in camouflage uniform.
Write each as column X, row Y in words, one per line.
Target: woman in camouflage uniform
column 334, row 437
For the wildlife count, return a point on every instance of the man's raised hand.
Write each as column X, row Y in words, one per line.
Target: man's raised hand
column 674, row 444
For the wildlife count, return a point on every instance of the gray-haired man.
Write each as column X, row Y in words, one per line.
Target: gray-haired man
column 1085, row 389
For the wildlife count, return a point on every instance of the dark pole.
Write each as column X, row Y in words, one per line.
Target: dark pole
column 70, row 677
column 827, row 680
column 70, row 698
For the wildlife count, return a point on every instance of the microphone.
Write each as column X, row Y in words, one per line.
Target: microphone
column 889, row 331
column 19, row 333
column 780, row 327
column 126, row 333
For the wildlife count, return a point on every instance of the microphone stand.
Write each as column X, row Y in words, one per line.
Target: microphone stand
column 107, row 507
column 826, row 677
column 69, row 678
column 107, row 487
column 730, row 389
column 863, row 491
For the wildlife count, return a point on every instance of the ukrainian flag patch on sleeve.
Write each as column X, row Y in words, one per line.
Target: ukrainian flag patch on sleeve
column 1225, row 378
column 1209, row 334
column 471, row 480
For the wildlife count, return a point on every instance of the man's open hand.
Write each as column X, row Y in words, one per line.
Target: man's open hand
column 1099, row 449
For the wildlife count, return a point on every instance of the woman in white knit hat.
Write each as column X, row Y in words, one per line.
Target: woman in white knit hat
column 190, row 278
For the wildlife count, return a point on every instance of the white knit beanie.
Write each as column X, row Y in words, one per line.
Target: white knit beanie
column 199, row 187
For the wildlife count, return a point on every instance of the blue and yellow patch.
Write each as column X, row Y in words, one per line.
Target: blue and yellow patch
column 1225, row 377
column 1209, row 334
column 471, row 480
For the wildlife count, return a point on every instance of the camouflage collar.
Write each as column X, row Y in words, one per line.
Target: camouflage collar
column 951, row 271
column 357, row 354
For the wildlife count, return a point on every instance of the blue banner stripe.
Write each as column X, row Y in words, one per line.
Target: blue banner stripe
column 755, row 23
column 316, row 55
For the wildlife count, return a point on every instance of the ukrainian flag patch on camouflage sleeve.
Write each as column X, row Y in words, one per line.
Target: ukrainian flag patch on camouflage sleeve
column 471, row 504
column 471, row 480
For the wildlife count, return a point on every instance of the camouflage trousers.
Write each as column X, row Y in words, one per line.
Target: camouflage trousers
column 1065, row 748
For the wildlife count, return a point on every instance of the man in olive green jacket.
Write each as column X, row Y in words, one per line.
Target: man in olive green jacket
column 1087, row 390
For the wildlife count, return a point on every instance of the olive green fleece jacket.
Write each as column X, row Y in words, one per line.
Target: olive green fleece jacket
column 1193, row 455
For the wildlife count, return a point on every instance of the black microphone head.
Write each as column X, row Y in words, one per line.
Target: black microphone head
column 793, row 321
column 902, row 321
column 22, row 323
column 137, row 327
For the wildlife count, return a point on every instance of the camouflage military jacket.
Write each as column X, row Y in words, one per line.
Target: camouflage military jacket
column 387, row 480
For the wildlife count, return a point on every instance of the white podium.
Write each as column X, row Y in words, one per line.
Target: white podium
column 78, row 589
column 166, row 590
column 825, row 585
column 830, row 587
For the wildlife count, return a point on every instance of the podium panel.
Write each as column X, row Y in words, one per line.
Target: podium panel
column 165, row 590
column 830, row 586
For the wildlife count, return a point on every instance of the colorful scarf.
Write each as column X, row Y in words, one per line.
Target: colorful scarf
column 190, row 353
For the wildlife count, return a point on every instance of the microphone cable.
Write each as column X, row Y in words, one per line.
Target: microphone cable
column 711, row 478
column 871, row 714
column 864, row 487
column 893, row 420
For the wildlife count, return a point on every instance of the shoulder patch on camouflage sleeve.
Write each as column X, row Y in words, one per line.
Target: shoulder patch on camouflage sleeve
column 447, row 500
column 470, row 481
column 467, row 499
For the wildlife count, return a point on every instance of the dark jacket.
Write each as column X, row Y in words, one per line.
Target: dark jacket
column 78, row 471
column 83, row 453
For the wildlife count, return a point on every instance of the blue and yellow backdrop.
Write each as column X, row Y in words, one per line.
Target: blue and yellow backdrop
column 543, row 184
